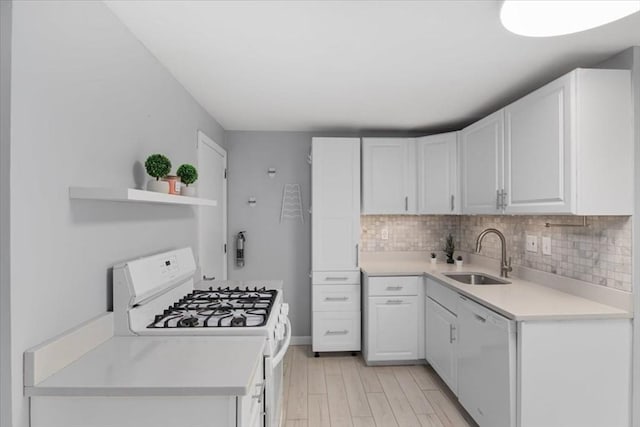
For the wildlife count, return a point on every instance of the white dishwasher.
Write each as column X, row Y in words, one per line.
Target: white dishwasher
column 486, row 365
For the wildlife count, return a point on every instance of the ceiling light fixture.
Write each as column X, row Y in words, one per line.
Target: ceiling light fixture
column 536, row 18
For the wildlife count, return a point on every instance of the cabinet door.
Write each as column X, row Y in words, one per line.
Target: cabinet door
column 388, row 176
column 441, row 343
column 392, row 328
column 481, row 148
column 538, row 150
column 335, row 204
column 437, row 174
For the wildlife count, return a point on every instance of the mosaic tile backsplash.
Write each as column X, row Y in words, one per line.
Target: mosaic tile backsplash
column 599, row 253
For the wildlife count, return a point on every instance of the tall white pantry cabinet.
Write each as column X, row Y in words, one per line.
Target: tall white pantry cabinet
column 335, row 237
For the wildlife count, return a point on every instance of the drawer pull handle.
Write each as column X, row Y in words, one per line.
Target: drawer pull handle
column 336, row 298
column 479, row 318
column 343, row 332
column 336, row 278
column 394, row 301
column 394, row 288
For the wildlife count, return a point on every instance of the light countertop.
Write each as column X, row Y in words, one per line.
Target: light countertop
column 159, row 366
column 521, row 300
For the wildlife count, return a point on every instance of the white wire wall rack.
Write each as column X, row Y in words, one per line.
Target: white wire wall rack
column 291, row 203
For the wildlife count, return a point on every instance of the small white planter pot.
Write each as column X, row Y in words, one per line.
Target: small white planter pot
column 187, row 191
column 433, row 261
column 158, row 186
column 459, row 264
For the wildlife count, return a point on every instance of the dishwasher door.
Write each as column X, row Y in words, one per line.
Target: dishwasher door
column 486, row 365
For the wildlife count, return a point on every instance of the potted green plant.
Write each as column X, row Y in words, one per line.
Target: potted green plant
column 434, row 258
column 158, row 166
column 449, row 248
column 188, row 175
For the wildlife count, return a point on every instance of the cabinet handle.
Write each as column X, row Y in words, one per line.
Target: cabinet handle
column 394, row 288
column 336, row 278
column 504, row 199
column 258, row 396
column 452, row 202
column 208, row 278
column 394, row 301
column 452, row 335
column 343, row 332
column 497, row 200
column 336, row 298
column 357, row 254
column 479, row 318
column 406, row 203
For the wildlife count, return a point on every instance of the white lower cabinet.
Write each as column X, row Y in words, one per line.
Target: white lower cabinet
column 441, row 325
column 393, row 319
column 392, row 328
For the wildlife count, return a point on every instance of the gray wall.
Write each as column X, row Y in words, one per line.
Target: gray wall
column 89, row 103
column 274, row 250
column 5, row 129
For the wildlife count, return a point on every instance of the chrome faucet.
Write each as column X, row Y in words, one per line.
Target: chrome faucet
column 505, row 267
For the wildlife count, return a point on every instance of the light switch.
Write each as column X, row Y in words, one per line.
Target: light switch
column 546, row 245
column 384, row 234
column 532, row 244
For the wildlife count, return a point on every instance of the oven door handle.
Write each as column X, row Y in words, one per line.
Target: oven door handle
column 280, row 355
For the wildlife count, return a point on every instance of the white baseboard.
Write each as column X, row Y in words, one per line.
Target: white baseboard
column 301, row 340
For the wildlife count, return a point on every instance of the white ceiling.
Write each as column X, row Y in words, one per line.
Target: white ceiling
column 359, row 65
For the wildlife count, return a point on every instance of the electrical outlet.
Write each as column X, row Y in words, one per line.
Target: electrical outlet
column 384, row 234
column 532, row 244
column 546, row 245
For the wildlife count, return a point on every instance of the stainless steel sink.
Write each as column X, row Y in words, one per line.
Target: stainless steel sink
column 476, row 279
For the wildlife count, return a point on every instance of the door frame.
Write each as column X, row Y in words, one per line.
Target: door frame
column 203, row 139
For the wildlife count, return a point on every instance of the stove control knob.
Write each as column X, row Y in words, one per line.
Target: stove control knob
column 284, row 309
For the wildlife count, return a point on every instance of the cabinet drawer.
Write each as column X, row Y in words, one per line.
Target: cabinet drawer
column 252, row 403
column 336, row 278
column 336, row 331
column 443, row 295
column 336, row 298
column 385, row 286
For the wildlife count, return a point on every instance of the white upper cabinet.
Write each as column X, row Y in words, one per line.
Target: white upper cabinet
column 566, row 148
column 335, row 204
column 537, row 143
column 388, row 176
column 438, row 174
column 481, row 151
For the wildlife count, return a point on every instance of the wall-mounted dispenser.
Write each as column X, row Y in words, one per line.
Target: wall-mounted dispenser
column 240, row 242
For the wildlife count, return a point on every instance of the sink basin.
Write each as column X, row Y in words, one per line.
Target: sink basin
column 476, row 279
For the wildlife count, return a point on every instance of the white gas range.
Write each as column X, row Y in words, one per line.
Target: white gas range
column 157, row 295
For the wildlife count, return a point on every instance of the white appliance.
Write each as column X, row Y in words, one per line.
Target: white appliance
column 486, row 365
column 157, row 295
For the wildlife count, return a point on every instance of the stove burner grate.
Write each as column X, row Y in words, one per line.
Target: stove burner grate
column 218, row 308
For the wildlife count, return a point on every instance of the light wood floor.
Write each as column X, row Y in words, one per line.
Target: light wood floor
column 338, row 390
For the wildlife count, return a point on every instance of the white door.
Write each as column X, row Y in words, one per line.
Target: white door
column 437, row 174
column 441, row 342
column 335, row 204
column 481, row 147
column 537, row 148
column 392, row 328
column 388, row 176
column 212, row 222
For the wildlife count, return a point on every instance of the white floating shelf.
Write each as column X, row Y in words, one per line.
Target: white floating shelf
column 135, row 195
